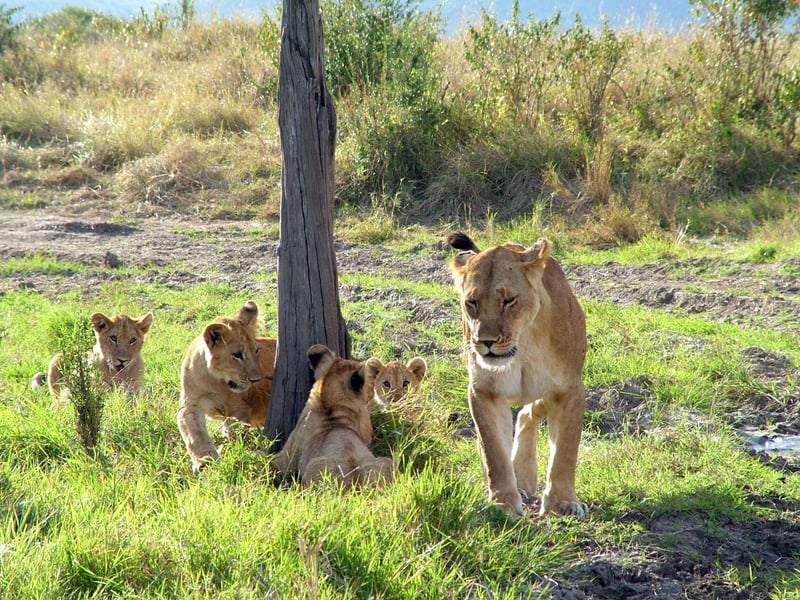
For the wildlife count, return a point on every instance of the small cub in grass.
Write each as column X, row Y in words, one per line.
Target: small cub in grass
column 226, row 374
column 117, row 353
column 396, row 380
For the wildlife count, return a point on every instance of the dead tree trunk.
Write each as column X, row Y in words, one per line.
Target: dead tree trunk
column 308, row 287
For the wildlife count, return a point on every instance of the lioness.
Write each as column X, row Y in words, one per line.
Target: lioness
column 395, row 380
column 333, row 433
column 525, row 337
column 226, row 374
column 117, row 353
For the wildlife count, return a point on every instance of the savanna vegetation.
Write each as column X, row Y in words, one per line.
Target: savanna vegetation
column 638, row 147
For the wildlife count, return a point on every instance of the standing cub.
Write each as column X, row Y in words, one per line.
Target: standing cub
column 117, row 353
column 226, row 374
column 395, row 380
column 334, row 431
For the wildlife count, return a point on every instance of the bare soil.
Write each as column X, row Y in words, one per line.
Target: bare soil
column 676, row 555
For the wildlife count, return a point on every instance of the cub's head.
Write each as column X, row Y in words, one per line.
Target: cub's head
column 396, row 379
column 500, row 295
column 120, row 338
column 231, row 350
column 340, row 383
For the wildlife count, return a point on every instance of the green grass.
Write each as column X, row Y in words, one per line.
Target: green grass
column 135, row 523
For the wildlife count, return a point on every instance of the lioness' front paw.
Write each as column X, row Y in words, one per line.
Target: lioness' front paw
column 570, row 508
column 510, row 503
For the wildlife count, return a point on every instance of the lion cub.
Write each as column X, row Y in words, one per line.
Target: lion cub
column 226, row 374
column 117, row 353
column 395, row 380
column 334, row 431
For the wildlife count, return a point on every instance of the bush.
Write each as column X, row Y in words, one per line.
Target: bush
column 82, row 376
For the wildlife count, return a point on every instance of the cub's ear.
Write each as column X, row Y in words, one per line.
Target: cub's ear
column 143, row 323
column 320, row 357
column 539, row 252
column 418, row 367
column 214, row 334
column 100, row 322
column 372, row 367
column 248, row 314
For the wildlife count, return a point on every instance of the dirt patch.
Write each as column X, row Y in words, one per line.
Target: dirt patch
column 676, row 555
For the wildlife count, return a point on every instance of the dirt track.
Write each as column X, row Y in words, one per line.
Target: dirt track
column 725, row 291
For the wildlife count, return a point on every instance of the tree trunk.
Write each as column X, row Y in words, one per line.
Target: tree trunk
column 308, row 287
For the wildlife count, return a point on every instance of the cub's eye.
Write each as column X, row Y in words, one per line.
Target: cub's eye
column 509, row 302
column 405, row 384
column 387, row 385
column 133, row 341
column 113, row 338
column 471, row 304
column 238, row 356
column 257, row 350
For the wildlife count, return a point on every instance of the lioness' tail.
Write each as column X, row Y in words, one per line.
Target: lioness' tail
column 461, row 241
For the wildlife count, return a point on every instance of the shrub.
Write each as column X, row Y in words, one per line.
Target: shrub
column 83, row 378
column 514, row 63
column 8, row 30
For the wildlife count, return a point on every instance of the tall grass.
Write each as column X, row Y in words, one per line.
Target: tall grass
column 643, row 125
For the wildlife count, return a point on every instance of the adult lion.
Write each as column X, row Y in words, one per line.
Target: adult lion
column 396, row 379
column 117, row 353
column 525, row 337
column 333, row 433
column 226, row 374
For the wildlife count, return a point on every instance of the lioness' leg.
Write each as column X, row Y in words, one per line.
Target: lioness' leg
column 523, row 454
column 192, row 425
column 565, row 423
column 494, row 426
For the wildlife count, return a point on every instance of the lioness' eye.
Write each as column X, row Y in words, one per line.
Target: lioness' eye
column 238, row 356
column 113, row 338
column 509, row 302
column 133, row 341
column 471, row 304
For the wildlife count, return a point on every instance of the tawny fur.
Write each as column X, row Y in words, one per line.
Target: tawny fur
column 227, row 375
column 334, row 432
column 525, row 337
column 396, row 380
column 117, row 353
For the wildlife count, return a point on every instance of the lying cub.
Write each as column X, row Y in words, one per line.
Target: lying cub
column 395, row 380
column 226, row 374
column 334, row 431
column 117, row 353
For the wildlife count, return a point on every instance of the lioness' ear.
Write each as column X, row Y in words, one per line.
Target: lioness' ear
column 320, row 357
column 100, row 322
column 418, row 367
column 214, row 333
column 143, row 323
column 539, row 252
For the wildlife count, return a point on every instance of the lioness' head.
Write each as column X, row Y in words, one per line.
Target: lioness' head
column 340, row 382
column 120, row 338
column 500, row 295
column 396, row 379
column 231, row 349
